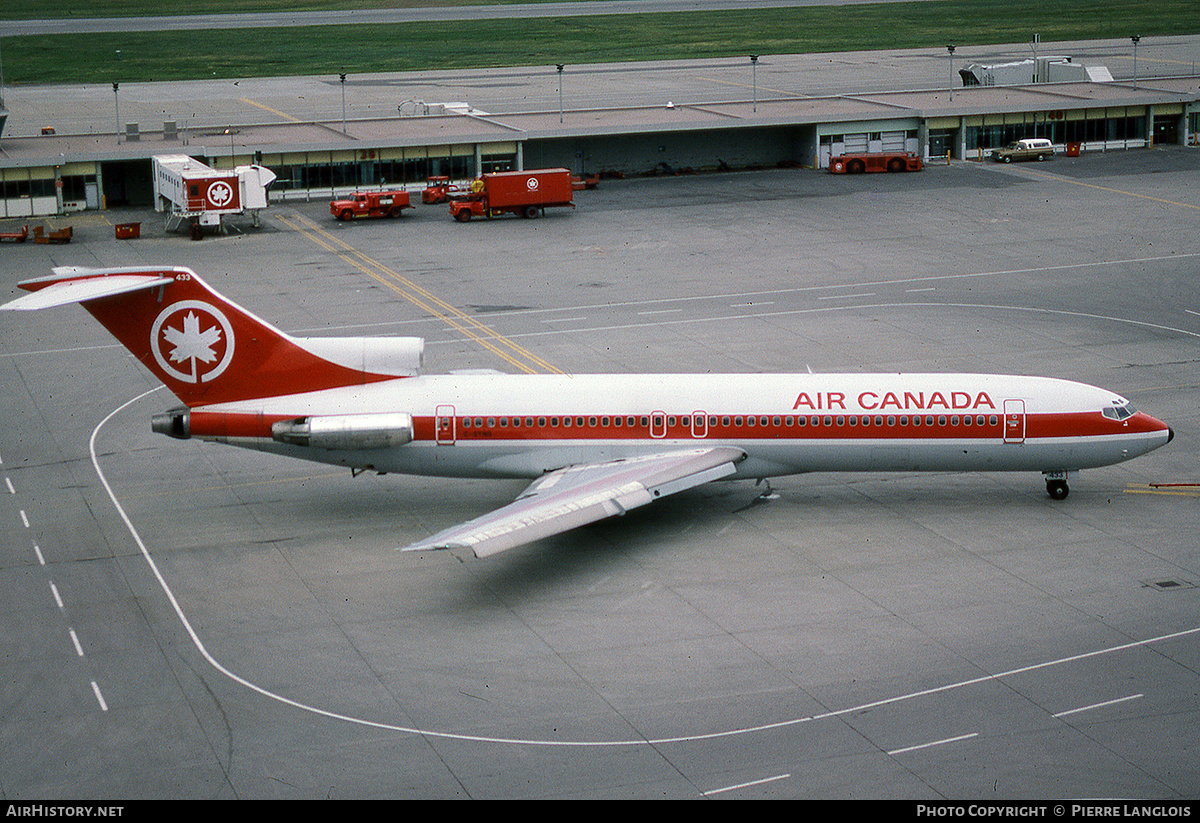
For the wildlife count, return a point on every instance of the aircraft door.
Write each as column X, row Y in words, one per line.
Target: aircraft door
column 444, row 422
column 699, row 424
column 658, row 424
column 1014, row 421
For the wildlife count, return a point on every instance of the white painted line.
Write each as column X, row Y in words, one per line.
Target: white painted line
column 75, row 640
column 662, row 311
column 910, row 291
column 1099, row 705
column 198, row 644
column 99, row 697
column 935, row 743
column 54, row 591
column 8, row 483
column 751, row 305
column 846, row 296
column 563, row 319
column 38, row 551
column 24, row 519
column 751, row 783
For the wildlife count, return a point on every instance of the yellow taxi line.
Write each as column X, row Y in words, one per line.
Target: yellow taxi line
column 421, row 297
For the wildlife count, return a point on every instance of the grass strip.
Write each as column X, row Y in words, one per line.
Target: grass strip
column 356, row 49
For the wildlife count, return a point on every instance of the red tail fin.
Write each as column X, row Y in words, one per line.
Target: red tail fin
column 207, row 349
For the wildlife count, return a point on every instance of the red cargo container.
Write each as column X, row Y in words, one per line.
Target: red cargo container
column 527, row 193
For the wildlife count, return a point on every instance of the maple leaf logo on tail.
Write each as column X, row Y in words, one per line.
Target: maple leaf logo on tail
column 193, row 332
column 192, row 344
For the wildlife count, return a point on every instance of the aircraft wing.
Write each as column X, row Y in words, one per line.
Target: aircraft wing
column 576, row 495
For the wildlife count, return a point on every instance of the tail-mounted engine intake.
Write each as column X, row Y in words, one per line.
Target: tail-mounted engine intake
column 175, row 423
column 346, row 431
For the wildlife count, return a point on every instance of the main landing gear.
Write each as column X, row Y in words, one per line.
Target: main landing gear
column 1056, row 485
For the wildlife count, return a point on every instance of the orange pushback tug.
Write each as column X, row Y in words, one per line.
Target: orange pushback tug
column 884, row 161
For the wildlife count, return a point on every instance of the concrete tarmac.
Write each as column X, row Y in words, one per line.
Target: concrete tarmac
column 187, row 620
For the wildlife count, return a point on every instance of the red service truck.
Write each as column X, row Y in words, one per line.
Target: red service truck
column 884, row 161
column 527, row 193
column 440, row 190
column 371, row 204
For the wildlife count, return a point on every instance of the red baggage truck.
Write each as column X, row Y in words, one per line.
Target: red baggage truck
column 527, row 193
column 371, row 204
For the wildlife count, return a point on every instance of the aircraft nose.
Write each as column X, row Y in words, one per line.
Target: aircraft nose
column 1170, row 434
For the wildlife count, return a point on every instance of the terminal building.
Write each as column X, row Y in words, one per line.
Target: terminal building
column 53, row 174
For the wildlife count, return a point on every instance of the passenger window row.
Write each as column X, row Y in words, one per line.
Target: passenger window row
column 735, row 421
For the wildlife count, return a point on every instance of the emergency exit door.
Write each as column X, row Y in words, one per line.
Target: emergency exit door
column 1014, row 421
column 445, row 422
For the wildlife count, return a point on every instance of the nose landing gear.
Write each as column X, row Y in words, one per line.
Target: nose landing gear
column 1056, row 485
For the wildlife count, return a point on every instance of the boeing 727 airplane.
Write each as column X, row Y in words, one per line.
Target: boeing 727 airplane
column 593, row 445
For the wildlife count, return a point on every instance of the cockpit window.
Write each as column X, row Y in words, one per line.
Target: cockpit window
column 1120, row 412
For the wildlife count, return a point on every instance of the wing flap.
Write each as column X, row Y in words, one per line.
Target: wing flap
column 577, row 495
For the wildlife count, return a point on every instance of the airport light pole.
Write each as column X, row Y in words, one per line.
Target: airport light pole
column 343, row 79
column 754, row 72
column 951, row 50
column 1135, row 40
column 559, row 66
column 117, row 106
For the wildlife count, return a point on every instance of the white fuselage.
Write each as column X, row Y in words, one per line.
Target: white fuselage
column 488, row 425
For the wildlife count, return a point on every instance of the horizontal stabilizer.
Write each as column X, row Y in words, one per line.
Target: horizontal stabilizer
column 77, row 289
column 577, row 495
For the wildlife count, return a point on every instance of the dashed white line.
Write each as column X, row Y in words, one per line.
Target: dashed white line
column 54, row 591
column 99, row 697
column 745, row 785
column 563, row 319
column 8, row 483
column 846, row 296
column 1099, row 705
column 935, row 743
column 75, row 640
column 38, row 551
column 24, row 518
column 661, row 311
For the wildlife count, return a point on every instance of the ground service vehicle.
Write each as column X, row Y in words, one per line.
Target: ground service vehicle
column 440, row 190
column 1029, row 148
column 371, row 204
column 884, row 161
column 527, row 193
column 189, row 191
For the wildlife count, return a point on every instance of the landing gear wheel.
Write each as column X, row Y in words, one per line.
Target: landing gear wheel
column 1057, row 489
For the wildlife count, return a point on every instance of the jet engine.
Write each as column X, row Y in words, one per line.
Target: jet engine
column 346, row 431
